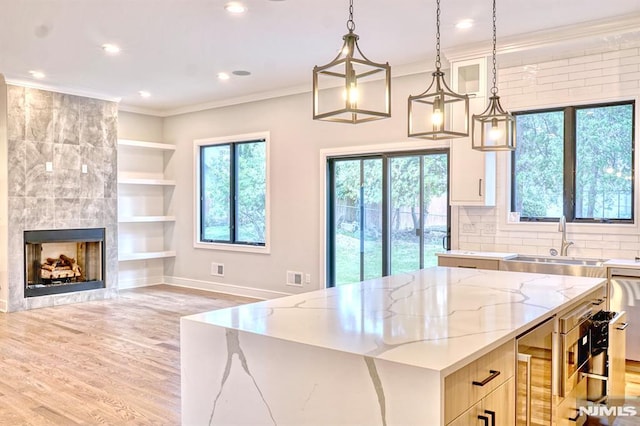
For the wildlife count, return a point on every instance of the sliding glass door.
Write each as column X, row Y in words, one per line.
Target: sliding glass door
column 387, row 214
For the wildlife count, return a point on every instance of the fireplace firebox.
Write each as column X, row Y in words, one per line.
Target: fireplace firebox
column 63, row 260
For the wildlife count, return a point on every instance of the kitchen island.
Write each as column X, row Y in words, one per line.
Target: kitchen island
column 376, row 352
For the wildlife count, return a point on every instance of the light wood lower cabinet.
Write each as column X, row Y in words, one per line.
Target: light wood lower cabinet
column 475, row 381
column 495, row 409
column 466, row 262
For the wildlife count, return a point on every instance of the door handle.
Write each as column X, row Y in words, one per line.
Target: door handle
column 623, row 326
column 485, row 419
column 445, row 242
column 480, row 187
column 493, row 374
column 493, row 416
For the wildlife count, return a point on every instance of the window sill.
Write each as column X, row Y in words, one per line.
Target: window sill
column 233, row 247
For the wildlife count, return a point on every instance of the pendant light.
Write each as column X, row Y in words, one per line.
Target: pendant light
column 494, row 129
column 351, row 88
column 438, row 112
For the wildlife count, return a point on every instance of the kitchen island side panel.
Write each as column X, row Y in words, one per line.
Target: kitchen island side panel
column 231, row 377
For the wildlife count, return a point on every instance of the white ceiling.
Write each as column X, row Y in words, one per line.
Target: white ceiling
column 175, row 48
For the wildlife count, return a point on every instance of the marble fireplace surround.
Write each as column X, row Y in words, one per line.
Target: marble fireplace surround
column 67, row 131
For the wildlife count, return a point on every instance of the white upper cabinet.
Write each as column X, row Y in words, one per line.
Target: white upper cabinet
column 473, row 173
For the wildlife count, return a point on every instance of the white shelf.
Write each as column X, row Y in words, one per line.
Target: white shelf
column 145, row 144
column 146, row 181
column 141, row 219
column 123, row 257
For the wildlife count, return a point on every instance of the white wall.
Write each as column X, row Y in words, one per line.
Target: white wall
column 296, row 141
column 581, row 78
column 296, row 144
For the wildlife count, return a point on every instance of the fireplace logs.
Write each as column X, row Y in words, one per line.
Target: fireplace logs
column 63, row 267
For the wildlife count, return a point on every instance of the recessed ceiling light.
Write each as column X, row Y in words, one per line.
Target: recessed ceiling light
column 111, row 48
column 37, row 74
column 223, row 76
column 144, row 93
column 235, row 8
column 241, row 73
column 464, row 24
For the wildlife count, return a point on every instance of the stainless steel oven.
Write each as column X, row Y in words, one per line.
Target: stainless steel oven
column 575, row 338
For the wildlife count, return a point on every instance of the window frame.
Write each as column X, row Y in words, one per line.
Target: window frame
column 233, row 141
column 569, row 164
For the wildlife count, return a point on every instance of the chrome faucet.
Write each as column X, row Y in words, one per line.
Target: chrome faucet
column 562, row 227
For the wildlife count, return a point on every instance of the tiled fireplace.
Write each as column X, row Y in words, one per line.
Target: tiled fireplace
column 61, row 174
column 63, row 261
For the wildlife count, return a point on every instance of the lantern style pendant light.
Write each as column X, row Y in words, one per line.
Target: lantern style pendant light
column 494, row 129
column 351, row 88
column 438, row 112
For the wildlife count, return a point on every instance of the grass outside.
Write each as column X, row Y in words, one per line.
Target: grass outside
column 404, row 257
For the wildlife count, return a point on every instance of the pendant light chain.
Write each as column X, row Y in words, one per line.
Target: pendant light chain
column 494, row 89
column 351, row 26
column 438, row 64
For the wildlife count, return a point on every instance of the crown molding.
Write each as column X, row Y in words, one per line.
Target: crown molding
column 540, row 39
column 62, row 89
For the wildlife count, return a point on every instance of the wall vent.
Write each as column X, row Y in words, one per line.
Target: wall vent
column 294, row 278
column 217, row 269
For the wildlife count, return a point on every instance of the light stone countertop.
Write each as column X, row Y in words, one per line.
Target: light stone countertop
column 438, row 318
column 488, row 255
column 622, row 263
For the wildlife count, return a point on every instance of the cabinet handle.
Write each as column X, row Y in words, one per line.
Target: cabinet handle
column 597, row 302
column 467, row 267
column 575, row 419
column 485, row 419
column 493, row 416
column 480, row 187
column 623, row 326
column 493, row 375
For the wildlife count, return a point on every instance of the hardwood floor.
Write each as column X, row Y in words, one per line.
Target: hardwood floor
column 110, row 362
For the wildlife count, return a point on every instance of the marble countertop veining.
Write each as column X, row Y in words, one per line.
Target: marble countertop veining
column 489, row 255
column 438, row 318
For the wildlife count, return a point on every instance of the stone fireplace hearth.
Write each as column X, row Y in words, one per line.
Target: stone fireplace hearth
column 58, row 156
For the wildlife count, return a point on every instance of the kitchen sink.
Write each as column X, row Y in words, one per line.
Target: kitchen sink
column 561, row 260
column 556, row 265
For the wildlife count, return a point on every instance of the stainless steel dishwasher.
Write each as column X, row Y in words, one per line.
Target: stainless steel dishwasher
column 625, row 296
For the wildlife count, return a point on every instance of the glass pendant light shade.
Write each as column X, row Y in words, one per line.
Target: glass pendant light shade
column 351, row 88
column 438, row 112
column 495, row 128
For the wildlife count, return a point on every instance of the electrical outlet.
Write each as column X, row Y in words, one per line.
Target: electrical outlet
column 307, row 278
column 217, row 269
column 294, row 278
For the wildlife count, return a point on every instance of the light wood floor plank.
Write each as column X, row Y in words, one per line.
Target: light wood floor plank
column 99, row 363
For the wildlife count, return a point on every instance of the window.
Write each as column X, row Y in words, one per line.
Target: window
column 232, row 176
column 575, row 161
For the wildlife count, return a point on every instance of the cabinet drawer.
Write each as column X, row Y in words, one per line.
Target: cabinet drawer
column 568, row 411
column 463, row 262
column 497, row 407
column 460, row 392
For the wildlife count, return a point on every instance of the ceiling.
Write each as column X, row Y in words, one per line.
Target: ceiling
column 175, row 48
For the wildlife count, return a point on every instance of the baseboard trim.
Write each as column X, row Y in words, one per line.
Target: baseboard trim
column 4, row 306
column 140, row 282
column 235, row 290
